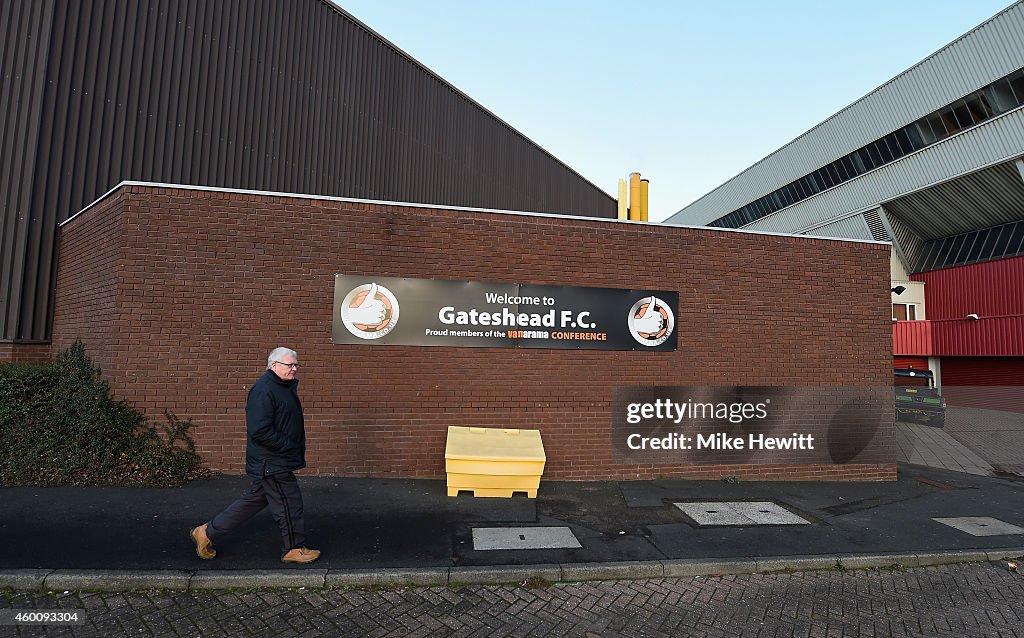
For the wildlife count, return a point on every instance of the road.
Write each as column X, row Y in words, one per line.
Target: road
column 963, row 600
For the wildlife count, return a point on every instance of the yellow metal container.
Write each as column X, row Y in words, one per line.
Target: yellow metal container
column 494, row 481
column 494, row 462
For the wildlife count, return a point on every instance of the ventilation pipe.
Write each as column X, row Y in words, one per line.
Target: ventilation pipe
column 644, row 186
column 623, row 204
column 634, row 197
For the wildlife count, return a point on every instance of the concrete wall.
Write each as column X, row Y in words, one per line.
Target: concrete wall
column 181, row 294
column 914, row 290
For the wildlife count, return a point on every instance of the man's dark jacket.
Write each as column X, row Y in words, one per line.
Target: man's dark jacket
column 277, row 436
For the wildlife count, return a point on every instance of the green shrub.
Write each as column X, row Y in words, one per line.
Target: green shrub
column 60, row 426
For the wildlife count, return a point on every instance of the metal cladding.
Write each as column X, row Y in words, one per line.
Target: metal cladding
column 951, row 207
column 295, row 97
column 953, row 293
column 912, row 338
column 985, row 337
column 995, row 142
column 853, row 227
column 986, row 53
column 970, row 312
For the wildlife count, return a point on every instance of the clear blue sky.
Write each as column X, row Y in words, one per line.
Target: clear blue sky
column 688, row 93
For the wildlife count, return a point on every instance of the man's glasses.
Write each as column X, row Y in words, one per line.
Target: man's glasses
column 288, row 365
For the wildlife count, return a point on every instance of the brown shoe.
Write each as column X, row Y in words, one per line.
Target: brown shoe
column 301, row 555
column 204, row 546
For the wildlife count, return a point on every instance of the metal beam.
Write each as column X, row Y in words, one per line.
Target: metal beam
column 901, row 254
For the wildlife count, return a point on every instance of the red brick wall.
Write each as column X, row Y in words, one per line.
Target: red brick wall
column 207, row 283
column 89, row 274
column 24, row 352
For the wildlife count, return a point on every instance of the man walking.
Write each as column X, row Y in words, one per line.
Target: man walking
column 275, row 448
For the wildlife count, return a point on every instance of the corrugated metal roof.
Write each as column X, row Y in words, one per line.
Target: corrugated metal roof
column 981, row 199
column 251, row 94
column 908, row 244
column 997, row 141
column 853, row 227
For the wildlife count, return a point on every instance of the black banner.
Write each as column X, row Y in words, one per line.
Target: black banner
column 427, row 312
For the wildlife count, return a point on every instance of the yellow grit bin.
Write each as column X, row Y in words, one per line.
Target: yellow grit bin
column 493, row 462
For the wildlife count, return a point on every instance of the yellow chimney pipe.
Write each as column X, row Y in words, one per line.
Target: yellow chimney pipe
column 634, row 197
column 623, row 204
column 645, row 185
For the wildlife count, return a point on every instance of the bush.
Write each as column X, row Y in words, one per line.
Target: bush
column 60, row 426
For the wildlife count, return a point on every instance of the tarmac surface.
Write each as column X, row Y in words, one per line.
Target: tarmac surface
column 382, row 531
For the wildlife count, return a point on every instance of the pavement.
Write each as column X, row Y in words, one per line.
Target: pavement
column 408, row 531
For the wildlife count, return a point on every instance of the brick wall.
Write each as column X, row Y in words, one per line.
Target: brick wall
column 191, row 289
column 89, row 273
column 24, row 352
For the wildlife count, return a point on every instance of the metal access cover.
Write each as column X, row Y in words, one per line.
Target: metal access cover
column 740, row 513
column 485, row 538
column 981, row 525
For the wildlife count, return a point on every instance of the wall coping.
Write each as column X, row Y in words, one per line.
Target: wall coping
column 491, row 211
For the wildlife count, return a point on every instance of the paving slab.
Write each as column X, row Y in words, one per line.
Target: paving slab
column 491, row 538
column 709, row 514
column 768, row 513
column 981, row 525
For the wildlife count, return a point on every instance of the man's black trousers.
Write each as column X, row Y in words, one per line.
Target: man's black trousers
column 281, row 493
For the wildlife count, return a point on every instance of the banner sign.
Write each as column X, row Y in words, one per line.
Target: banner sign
column 428, row 312
column 753, row 425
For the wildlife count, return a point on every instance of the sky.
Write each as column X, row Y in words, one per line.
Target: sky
column 687, row 93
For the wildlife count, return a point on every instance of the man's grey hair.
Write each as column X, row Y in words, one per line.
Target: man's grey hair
column 277, row 353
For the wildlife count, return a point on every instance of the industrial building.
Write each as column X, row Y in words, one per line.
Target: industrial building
column 295, row 97
column 219, row 179
column 932, row 161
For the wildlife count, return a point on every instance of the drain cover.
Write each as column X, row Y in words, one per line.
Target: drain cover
column 485, row 538
column 740, row 513
column 981, row 525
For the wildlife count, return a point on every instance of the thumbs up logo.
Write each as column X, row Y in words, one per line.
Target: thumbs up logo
column 651, row 321
column 370, row 311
